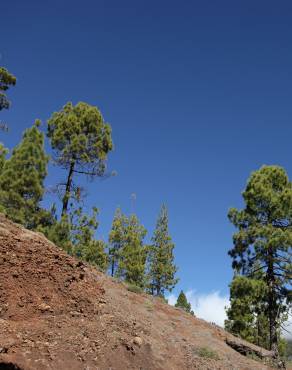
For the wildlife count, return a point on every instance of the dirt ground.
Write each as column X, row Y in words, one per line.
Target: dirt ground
column 58, row 313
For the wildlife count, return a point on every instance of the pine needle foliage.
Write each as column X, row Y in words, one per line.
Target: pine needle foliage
column 264, row 240
column 81, row 141
column 247, row 316
column 162, row 268
column 117, row 239
column 22, row 178
column 6, row 80
column 133, row 254
column 3, row 154
column 84, row 244
column 183, row 303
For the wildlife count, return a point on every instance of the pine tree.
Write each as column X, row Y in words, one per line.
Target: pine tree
column 161, row 259
column 6, row 80
column 58, row 232
column 81, row 141
column 84, row 244
column 183, row 303
column 117, row 239
column 132, row 256
column 22, row 178
column 247, row 312
column 3, row 153
column 264, row 239
column 94, row 253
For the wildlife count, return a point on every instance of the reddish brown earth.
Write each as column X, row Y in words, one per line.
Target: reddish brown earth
column 58, row 313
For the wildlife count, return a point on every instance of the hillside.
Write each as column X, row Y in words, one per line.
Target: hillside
column 58, row 313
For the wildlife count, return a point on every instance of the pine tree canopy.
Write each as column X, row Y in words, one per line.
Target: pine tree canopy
column 117, row 238
column 133, row 254
column 3, row 153
column 84, row 244
column 6, row 80
column 94, row 253
column 264, row 238
column 22, row 178
column 162, row 269
column 183, row 303
column 81, row 140
column 247, row 312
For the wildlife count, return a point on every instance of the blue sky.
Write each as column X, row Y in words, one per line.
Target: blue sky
column 198, row 94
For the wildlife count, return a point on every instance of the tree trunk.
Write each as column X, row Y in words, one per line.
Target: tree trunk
column 272, row 304
column 258, row 331
column 158, row 288
column 113, row 268
column 66, row 197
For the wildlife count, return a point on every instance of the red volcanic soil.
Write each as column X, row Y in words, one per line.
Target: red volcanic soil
column 59, row 313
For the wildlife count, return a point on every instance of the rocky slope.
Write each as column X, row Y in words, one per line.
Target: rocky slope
column 58, row 313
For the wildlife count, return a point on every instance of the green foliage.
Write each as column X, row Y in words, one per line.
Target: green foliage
column 264, row 239
column 22, row 178
column 76, row 236
column 283, row 347
column 95, row 254
column 246, row 314
column 127, row 254
column 81, row 141
column 208, row 353
column 149, row 306
column 3, row 153
column 117, row 239
column 162, row 269
column 133, row 254
column 134, row 289
column 6, row 80
column 183, row 303
column 59, row 232
column 84, row 245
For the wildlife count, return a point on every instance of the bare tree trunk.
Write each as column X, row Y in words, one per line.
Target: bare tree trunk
column 113, row 268
column 66, row 197
column 272, row 305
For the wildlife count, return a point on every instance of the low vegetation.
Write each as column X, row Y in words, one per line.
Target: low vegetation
column 208, row 353
column 134, row 289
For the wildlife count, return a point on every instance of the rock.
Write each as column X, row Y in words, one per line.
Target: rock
column 75, row 313
column 44, row 307
column 245, row 348
column 138, row 341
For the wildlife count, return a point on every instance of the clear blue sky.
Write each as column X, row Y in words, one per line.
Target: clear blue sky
column 198, row 94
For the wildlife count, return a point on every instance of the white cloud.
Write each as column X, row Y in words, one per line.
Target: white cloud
column 210, row 306
column 288, row 326
column 172, row 299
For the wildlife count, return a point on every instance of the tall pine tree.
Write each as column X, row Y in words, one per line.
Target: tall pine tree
column 81, row 141
column 133, row 254
column 117, row 239
column 22, row 178
column 162, row 269
column 3, row 153
column 264, row 240
column 247, row 312
column 84, row 244
column 183, row 303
